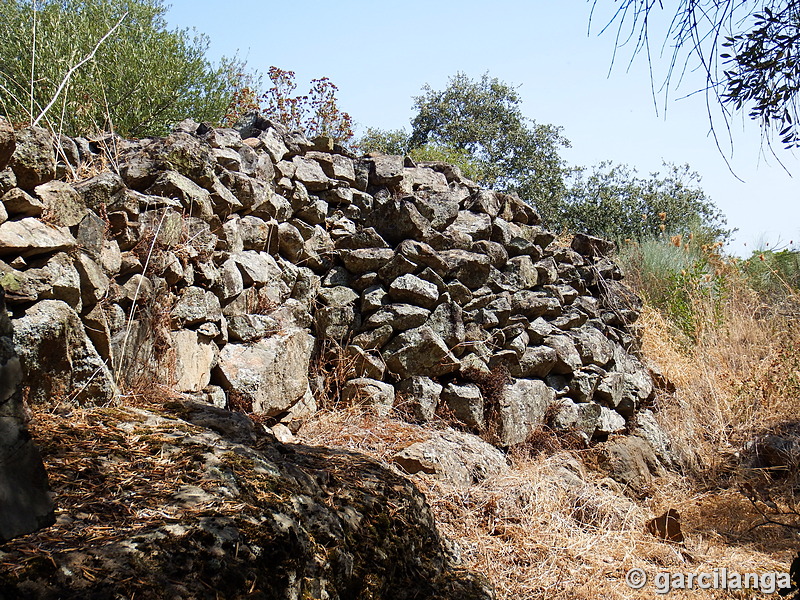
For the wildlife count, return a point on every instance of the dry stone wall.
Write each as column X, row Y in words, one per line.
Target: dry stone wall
column 218, row 262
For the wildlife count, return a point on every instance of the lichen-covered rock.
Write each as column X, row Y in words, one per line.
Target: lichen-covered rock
column 370, row 392
column 466, row 403
column 421, row 396
column 29, row 237
column 34, row 157
column 194, row 199
column 63, row 206
column 58, row 359
column 523, row 405
column 419, row 352
column 25, row 502
column 271, row 374
column 413, row 290
column 457, row 457
column 631, row 462
column 195, row 355
column 226, row 510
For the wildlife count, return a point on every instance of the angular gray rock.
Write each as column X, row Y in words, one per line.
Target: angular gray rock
column 631, row 462
column 419, row 352
column 271, row 375
column 193, row 198
column 413, row 290
column 194, row 357
column 523, row 405
column 310, row 174
column 196, row 305
column 19, row 203
column 447, row 321
column 397, row 220
column 378, row 395
column 29, row 237
column 536, row 361
column 466, row 403
column 25, row 502
column 34, row 158
column 364, row 260
column 399, row 316
column 460, row 458
column 386, row 170
column 421, row 397
column 567, row 358
column 63, row 206
column 58, row 359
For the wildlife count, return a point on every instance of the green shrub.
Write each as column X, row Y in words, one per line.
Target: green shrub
column 774, row 274
column 142, row 79
column 613, row 201
column 687, row 283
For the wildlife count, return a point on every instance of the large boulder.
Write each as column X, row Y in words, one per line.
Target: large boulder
column 202, row 503
column 25, row 503
column 271, row 375
column 58, row 359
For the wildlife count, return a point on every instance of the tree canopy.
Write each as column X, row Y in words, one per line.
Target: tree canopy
column 749, row 51
column 142, row 79
column 479, row 126
column 613, row 201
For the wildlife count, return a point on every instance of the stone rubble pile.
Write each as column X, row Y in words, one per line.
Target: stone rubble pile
column 218, row 261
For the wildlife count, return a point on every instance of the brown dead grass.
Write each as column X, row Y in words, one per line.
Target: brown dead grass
column 742, row 377
column 537, row 534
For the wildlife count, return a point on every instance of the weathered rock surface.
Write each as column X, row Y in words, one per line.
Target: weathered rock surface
column 58, row 360
column 225, row 509
column 30, row 237
column 271, row 374
column 34, row 157
column 25, row 502
column 458, row 457
column 212, row 244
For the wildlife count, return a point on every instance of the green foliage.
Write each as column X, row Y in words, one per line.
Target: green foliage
column 749, row 52
column 681, row 279
column 612, row 201
column 386, row 141
column 142, row 79
column 483, row 120
column 396, row 141
column 774, row 274
column 470, row 168
column 763, row 69
column 316, row 113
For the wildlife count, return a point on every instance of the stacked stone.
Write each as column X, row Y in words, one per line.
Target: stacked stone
column 214, row 260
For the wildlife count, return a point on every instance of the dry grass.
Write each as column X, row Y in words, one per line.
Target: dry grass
column 538, row 533
column 742, row 377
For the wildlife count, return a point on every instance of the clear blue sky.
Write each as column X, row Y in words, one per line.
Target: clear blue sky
column 380, row 54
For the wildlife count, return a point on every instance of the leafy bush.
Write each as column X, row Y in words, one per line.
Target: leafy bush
column 142, row 79
column 612, row 201
column 686, row 282
column 775, row 274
